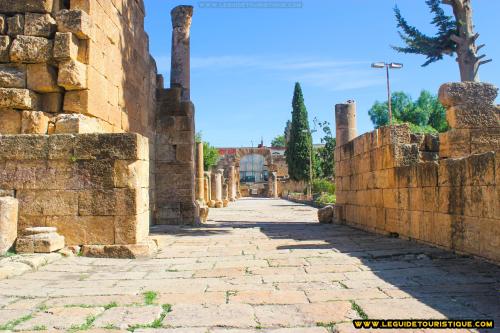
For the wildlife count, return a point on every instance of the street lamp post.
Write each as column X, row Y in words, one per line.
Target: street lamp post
column 387, row 66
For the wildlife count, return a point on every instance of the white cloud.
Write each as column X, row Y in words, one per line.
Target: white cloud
column 329, row 74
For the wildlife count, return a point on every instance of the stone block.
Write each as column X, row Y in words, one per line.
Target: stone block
column 430, row 199
column 3, row 24
column 132, row 229
column 131, row 174
column 489, row 239
column 78, row 123
column 72, row 75
column 42, row 78
column 484, row 140
column 325, row 214
column 15, row 25
column 473, row 116
column 481, row 169
column 23, row 147
column 4, row 49
column 34, row 122
column 466, row 234
column 51, row 102
column 76, row 101
column 8, row 223
column 12, row 76
column 10, row 121
column 31, row 49
column 480, row 201
column 40, row 243
column 41, row 202
column 455, row 143
column 452, row 172
column 441, row 231
column 467, row 93
column 65, row 46
column 16, row 98
column 427, row 174
column 21, row 6
column 122, row 146
column 74, row 21
column 431, row 142
column 129, row 251
column 40, row 25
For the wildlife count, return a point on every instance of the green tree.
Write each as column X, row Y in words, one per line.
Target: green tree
column 325, row 154
column 453, row 35
column 424, row 115
column 210, row 153
column 279, row 141
column 299, row 147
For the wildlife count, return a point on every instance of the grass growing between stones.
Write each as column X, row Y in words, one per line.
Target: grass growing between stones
column 359, row 310
column 157, row 323
column 83, row 327
column 110, row 305
column 11, row 324
column 40, row 328
column 330, row 327
column 150, row 297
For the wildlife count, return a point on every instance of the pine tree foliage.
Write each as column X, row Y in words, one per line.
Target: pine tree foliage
column 454, row 35
column 300, row 142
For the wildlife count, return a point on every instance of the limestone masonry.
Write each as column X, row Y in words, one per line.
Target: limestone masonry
column 440, row 190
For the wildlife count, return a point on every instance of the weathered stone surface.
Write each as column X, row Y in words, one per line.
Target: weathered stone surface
column 15, row 25
column 473, row 116
column 325, row 214
column 72, row 75
column 12, row 76
column 34, row 122
column 8, row 223
column 40, row 243
column 77, row 101
column 65, row 46
column 51, row 102
column 131, row 251
column 39, row 230
column 42, row 78
column 21, row 6
column 78, row 123
column 40, row 25
column 60, row 318
column 10, row 121
column 17, row 98
column 74, row 21
column 467, row 93
column 30, row 49
column 4, row 48
column 233, row 315
column 126, row 317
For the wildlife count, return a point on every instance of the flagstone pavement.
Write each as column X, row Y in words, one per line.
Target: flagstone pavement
column 260, row 265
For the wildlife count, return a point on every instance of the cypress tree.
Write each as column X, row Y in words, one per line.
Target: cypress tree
column 299, row 146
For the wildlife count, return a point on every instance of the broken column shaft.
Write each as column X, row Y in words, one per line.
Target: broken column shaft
column 345, row 120
column 200, row 173
column 180, row 71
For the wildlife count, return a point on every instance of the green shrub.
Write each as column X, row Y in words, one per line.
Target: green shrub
column 325, row 199
column 323, row 186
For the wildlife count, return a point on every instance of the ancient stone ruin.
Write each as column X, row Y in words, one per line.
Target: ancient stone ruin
column 438, row 190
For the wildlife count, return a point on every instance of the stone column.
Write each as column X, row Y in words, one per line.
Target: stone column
column 218, row 188
column 200, row 174
column 232, row 183
column 274, row 177
column 180, row 71
column 207, row 189
column 345, row 120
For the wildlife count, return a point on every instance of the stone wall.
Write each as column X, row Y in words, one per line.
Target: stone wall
column 87, row 57
column 92, row 187
column 390, row 181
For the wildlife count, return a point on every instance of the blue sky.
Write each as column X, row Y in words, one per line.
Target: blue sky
column 245, row 61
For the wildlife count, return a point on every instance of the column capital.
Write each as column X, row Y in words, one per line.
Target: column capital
column 181, row 16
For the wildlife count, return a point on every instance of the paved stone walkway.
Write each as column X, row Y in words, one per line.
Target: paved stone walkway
column 260, row 265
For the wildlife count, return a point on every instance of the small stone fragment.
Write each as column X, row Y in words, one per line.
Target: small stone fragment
column 15, row 98
column 41, row 25
column 30, row 49
column 72, row 75
column 34, row 122
column 36, row 240
column 15, row 25
column 325, row 214
column 42, row 78
column 75, row 21
column 12, row 76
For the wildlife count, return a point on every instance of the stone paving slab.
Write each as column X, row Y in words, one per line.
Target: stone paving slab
column 256, row 266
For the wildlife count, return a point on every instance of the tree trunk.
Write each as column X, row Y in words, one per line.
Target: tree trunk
column 467, row 59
